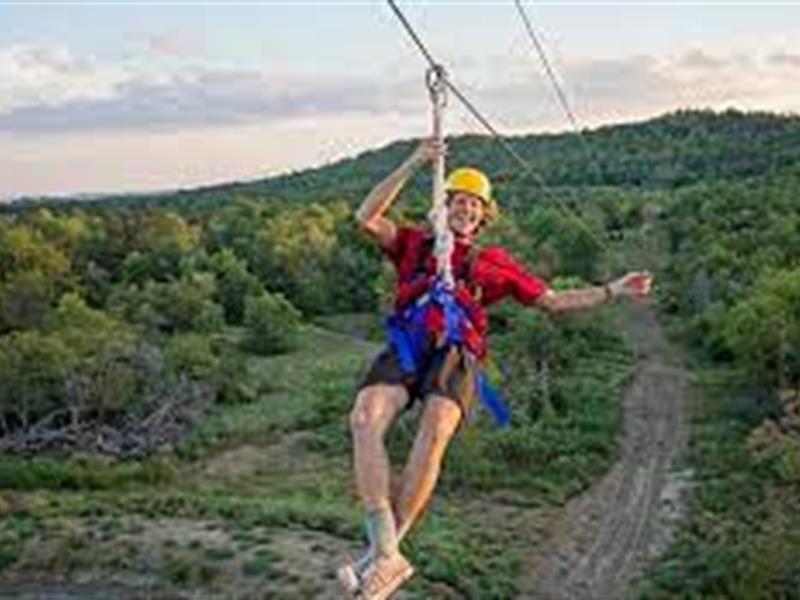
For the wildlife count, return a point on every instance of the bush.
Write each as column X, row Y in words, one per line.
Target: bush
column 25, row 300
column 33, row 367
column 83, row 329
column 763, row 329
column 215, row 361
column 234, row 284
column 190, row 353
column 183, row 305
column 271, row 323
column 116, row 382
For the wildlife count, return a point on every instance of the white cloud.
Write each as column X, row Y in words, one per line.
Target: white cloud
column 45, row 95
column 48, row 89
column 45, row 76
column 697, row 59
column 69, row 123
column 623, row 88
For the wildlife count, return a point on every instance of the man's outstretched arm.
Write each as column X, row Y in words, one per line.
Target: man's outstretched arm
column 632, row 285
column 370, row 215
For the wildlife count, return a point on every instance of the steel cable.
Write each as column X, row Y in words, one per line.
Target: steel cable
column 528, row 169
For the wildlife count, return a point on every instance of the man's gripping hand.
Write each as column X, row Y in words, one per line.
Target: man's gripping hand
column 636, row 284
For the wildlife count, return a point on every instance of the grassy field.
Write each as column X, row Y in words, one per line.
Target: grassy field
column 259, row 501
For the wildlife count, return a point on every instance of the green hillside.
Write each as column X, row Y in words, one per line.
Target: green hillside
column 177, row 369
column 670, row 151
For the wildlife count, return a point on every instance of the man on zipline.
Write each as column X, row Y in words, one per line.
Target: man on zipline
column 437, row 342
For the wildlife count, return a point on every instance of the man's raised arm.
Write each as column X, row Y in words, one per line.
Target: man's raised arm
column 370, row 215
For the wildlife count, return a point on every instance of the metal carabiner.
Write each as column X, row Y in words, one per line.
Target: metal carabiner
column 436, row 82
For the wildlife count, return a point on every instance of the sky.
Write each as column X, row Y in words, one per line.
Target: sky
column 113, row 96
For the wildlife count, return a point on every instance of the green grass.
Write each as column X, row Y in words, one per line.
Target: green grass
column 476, row 561
column 83, row 472
column 312, row 387
column 557, row 454
column 15, row 531
column 299, row 478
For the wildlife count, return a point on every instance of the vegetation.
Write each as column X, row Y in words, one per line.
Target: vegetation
column 177, row 369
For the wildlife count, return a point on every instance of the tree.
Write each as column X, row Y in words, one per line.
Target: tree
column 292, row 254
column 271, row 323
column 763, row 329
column 86, row 330
column 235, row 227
column 25, row 249
column 33, row 367
column 162, row 241
column 234, row 283
column 183, row 305
column 25, row 300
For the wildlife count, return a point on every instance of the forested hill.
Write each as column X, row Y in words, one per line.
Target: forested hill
column 666, row 152
column 192, row 323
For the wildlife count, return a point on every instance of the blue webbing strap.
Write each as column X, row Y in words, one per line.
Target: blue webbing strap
column 408, row 335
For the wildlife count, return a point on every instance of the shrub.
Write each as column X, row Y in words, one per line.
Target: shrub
column 763, row 329
column 115, row 382
column 83, row 329
column 33, row 367
column 25, row 300
column 234, row 284
column 183, row 305
column 271, row 323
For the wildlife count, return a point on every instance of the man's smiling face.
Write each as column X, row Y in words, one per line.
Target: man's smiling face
column 466, row 213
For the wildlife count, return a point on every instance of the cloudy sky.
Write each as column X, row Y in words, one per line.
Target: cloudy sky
column 103, row 96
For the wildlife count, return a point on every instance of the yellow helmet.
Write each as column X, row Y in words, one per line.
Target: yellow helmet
column 475, row 182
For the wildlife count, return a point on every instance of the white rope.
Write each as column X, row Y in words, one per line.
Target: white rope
column 436, row 80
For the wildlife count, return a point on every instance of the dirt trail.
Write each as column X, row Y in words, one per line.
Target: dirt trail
column 603, row 538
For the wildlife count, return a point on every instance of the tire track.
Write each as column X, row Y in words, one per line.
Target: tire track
column 602, row 540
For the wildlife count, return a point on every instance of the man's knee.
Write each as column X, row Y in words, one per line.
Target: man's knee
column 374, row 408
column 440, row 420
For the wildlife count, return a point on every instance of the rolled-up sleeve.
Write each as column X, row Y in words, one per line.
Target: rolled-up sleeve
column 524, row 286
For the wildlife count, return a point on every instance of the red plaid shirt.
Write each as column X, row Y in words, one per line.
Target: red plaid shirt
column 483, row 277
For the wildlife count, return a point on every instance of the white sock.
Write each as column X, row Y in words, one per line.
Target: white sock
column 381, row 531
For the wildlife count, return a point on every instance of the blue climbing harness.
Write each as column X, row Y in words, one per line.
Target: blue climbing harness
column 408, row 333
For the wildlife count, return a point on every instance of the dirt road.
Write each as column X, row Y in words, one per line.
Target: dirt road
column 603, row 538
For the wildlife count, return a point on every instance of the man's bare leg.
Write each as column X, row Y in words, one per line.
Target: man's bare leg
column 440, row 419
column 375, row 409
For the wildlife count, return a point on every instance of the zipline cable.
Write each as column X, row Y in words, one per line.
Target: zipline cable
column 554, row 80
column 433, row 64
column 562, row 97
column 559, row 90
column 528, row 168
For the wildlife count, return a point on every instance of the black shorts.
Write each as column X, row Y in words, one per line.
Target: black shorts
column 449, row 372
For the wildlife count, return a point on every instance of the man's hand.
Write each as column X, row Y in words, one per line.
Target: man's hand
column 427, row 152
column 636, row 284
column 370, row 215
